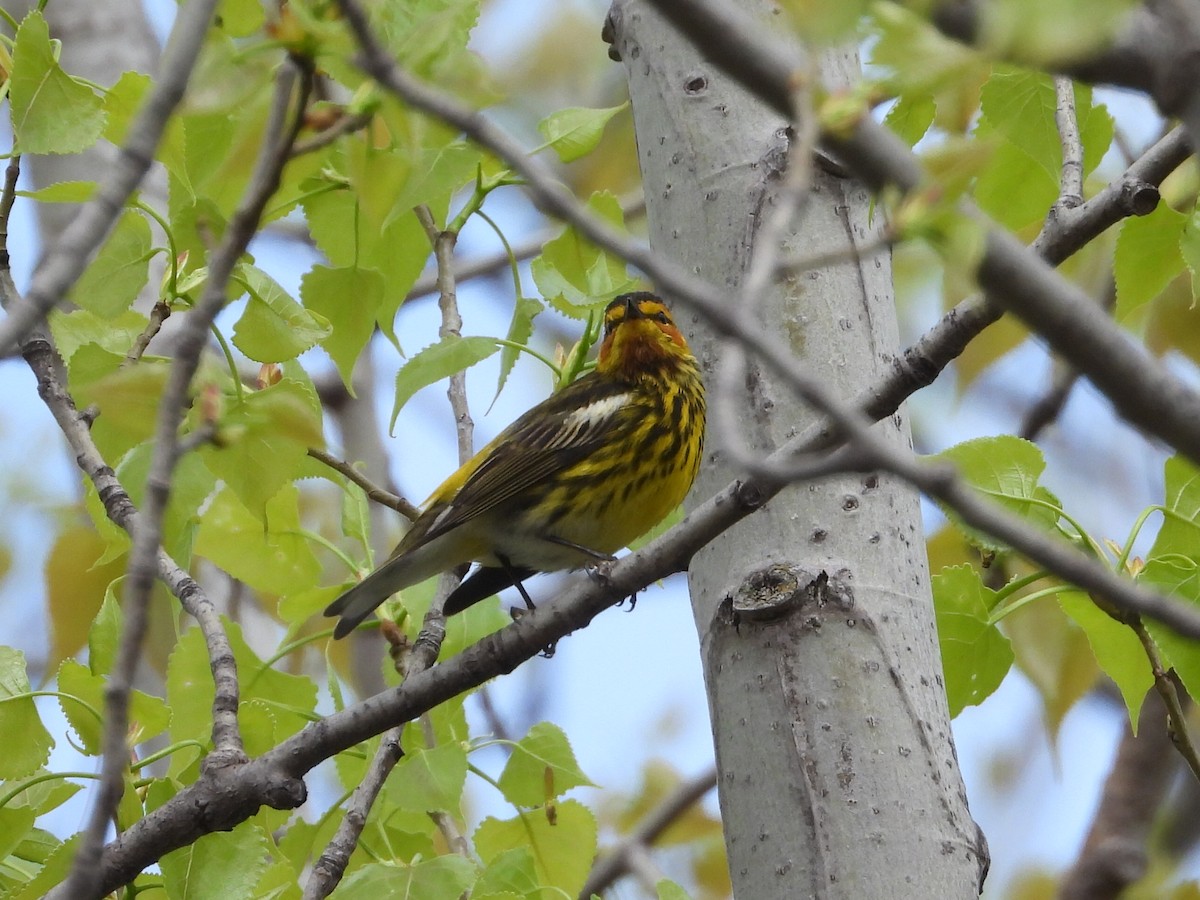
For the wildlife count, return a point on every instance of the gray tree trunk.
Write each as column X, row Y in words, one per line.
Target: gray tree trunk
column 837, row 771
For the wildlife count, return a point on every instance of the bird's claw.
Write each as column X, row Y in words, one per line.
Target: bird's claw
column 517, row 613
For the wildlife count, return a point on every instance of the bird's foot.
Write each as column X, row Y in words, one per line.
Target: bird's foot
column 517, row 613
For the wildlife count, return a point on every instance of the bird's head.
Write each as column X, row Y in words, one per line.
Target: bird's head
column 640, row 336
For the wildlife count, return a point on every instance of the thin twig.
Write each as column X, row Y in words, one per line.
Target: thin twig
column 614, row 864
column 158, row 315
column 373, row 491
column 346, row 124
column 1165, row 686
column 524, row 249
column 1070, row 191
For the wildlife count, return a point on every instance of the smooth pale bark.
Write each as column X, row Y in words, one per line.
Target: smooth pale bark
column 837, row 771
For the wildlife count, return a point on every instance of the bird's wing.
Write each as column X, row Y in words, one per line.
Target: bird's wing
column 551, row 437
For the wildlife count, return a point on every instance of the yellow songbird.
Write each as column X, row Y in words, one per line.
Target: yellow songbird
column 574, row 479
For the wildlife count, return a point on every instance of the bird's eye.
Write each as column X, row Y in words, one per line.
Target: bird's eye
column 661, row 317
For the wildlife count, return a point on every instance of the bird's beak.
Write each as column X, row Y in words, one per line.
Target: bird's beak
column 632, row 310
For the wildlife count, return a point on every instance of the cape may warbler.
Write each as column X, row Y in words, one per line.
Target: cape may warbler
column 580, row 475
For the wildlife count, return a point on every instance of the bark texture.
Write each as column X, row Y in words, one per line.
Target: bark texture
column 837, row 771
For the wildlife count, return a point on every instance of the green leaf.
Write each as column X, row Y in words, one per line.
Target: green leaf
column 51, row 111
column 191, row 485
column 1147, row 258
column 148, row 713
column 120, row 270
column 433, row 879
column 1189, row 249
column 1019, row 104
column 128, row 399
column 911, row 115
column 669, row 890
column 264, row 441
column 438, row 361
column 240, row 18
column 542, row 767
column 825, row 21
column 217, row 866
column 274, row 327
column 575, row 276
column 1116, row 648
column 1014, row 189
column 53, row 871
column 1173, row 564
column 275, row 559
column 1006, row 469
column 430, row 780
column 975, row 655
column 79, row 327
column 350, row 240
column 62, row 192
column 15, row 822
column 349, row 299
column 1051, row 32
column 121, row 104
column 520, row 329
column 510, row 872
column 563, row 850
column 576, row 131
column 20, row 717
column 40, row 799
column 290, row 699
column 105, row 633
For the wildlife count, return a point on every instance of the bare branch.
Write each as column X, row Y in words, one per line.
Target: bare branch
column 373, row 491
column 65, row 260
column 1070, row 191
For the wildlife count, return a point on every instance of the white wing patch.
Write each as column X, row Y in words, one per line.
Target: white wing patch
column 588, row 417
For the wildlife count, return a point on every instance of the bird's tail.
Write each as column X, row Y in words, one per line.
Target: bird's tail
column 394, row 575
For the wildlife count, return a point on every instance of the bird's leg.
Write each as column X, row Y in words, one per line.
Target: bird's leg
column 600, row 572
column 506, row 564
column 517, row 612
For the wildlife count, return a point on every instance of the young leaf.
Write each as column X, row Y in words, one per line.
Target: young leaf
column 542, row 767
column 576, row 131
column 1006, row 469
column 217, row 866
column 975, row 655
column 20, row 717
column 274, row 327
column 426, row 780
column 1116, row 648
column 577, row 277
column 1147, row 258
column 264, row 441
column 563, row 851
column 431, row 879
column 438, row 361
column 51, row 111
column 120, row 270
column 911, row 115
column 276, row 559
column 349, row 300
column 520, row 329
